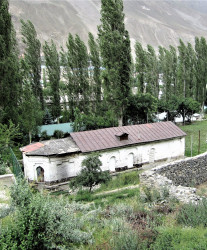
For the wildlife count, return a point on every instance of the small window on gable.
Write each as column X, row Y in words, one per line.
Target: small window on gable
column 122, row 136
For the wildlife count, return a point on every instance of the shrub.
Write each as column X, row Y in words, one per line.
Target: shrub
column 20, row 193
column 177, row 238
column 83, row 195
column 121, row 210
column 42, row 223
column 154, row 195
column 2, row 168
column 44, row 135
column 58, row 134
column 125, row 240
column 121, row 180
column 193, row 214
column 91, row 173
column 4, row 211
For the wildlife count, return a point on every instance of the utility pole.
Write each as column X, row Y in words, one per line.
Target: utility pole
column 199, row 141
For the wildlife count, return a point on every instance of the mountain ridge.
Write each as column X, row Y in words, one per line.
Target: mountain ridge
column 149, row 22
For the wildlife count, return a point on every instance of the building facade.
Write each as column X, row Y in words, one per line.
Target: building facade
column 120, row 148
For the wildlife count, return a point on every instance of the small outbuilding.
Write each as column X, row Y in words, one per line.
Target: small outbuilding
column 120, row 148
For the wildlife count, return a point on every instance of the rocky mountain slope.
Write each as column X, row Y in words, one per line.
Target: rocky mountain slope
column 152, row 22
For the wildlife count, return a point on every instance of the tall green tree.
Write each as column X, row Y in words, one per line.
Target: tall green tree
column 116, row 55
column 10, row 81
column 152, row 72
column 174, row 70
column 31, row 115
column 165, row 58
column 140, row 65
column 33, row 58
column 53, row 71
column 76, row 63
column 96, row 71
column 168, row 70
column 187, row 107
column 201, row 69
column 141, row 108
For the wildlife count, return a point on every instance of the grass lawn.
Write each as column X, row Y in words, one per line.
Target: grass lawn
column 98, row 197
column 193, row 130
column 121, row 180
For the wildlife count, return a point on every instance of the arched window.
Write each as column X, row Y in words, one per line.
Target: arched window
column 40, row 174
column 130, row 160
column 112, row 163
column 152, row 155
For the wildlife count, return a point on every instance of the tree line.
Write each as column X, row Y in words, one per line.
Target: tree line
column 98, row 79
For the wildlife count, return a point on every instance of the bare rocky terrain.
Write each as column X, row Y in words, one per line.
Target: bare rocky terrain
column 149, row 22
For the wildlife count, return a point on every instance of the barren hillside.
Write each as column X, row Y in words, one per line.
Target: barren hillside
column 150, row 22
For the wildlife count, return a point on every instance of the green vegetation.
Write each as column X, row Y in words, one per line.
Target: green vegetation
column 104, row 199
column 91, row 173
column 181, row 238
column 138, row 218
column 193, row 214
column 96, row 85
column 192, row 131
column 121, row 180
column 53, row 70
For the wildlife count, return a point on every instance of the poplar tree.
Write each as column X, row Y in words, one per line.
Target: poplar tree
column 152, row 72
column 115, row 52
column 31, row 114
column 96, row 71
column 53, row 71
column 182, row 68
column 10, row 81
column 33, row 58
column 165, row 69
column 191, row 72
column 187, row 71
column 201, row 69
column 76, row 63
column 140, row 65
column 174, row 69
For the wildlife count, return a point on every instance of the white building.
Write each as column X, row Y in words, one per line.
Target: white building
column 120, row 148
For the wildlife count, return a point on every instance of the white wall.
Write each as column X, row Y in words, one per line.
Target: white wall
column 57, row 168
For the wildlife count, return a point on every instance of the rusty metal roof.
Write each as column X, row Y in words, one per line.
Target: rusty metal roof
column 95, row 140
column 33, row 147
column 51, row 147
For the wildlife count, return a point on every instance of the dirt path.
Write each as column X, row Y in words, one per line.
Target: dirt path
column 118, row 189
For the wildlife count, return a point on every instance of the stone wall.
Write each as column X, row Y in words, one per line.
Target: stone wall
column 7, row 180
column 178, row 177
column 187, row 172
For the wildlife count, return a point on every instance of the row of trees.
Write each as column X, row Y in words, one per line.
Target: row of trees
column 182, row 70
column 97, row 81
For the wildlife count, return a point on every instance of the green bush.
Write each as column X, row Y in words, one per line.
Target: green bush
column 90, row 174
column 84, row 195
column 58, row 134
column 193, row 214
column 125, row 241
column 177, row 238
column 2, row 168
column 153, row 195
column 42, row 223
column 44, row 135
column 121, row 180
column 20, row 193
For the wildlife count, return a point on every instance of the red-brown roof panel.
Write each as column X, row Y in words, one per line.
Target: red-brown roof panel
column 32, row 147
column 100, row 139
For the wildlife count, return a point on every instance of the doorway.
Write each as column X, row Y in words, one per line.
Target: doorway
column 40, row 174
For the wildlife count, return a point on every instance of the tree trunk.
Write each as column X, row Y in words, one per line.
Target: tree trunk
column 30, row 137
